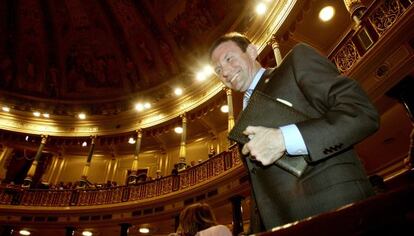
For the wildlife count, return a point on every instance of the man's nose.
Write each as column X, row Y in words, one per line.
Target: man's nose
column 226, row 72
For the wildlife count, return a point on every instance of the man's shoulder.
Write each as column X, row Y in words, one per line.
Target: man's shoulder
column 303, row 48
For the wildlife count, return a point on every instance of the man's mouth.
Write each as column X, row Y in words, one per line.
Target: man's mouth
column 234, row 78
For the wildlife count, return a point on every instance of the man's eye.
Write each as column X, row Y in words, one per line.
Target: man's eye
column 229, row 59
column 218, row 71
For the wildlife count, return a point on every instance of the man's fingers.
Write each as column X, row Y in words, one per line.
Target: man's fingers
column 245, row 149
column 250, row 130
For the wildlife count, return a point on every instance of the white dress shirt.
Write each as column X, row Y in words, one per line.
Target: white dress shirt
column 293, row 138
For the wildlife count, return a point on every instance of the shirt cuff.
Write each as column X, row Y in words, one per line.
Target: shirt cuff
column 293, row 140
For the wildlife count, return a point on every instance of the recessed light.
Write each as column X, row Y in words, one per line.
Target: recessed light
column 24, row 232
column 46, row 115
column 224, row 108
column 6, row 109
column 326, row 13
column 144, row 230
column 200, row 76
column 178, row 91
column 178, row 130
column 82, row 116
column 131, row 140
column 147, row 105
column 208, row 70
column 261, row 8
column 87, row 233
column 84, row 144
column 139, row 107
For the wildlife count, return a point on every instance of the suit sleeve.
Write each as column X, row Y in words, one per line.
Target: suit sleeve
column 347, row 115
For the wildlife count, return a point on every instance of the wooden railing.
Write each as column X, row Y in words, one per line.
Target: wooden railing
column 375, row 23
column 390, row 213
column 199, row 174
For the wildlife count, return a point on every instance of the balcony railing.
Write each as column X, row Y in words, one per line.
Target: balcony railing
column 378, row 19
column 214, row 167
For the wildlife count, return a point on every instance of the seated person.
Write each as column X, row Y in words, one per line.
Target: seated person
column 199, row 220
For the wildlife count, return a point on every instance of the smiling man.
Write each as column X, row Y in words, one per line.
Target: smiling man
column 341, row 115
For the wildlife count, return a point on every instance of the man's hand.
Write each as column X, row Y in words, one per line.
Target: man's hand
column 266, row 144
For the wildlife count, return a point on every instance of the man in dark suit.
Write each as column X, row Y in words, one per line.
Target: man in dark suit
column 341, row 115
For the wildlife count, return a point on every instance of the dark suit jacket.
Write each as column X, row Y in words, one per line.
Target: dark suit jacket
column 341, row 116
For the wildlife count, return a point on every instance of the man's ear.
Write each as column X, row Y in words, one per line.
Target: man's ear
column 251, row 50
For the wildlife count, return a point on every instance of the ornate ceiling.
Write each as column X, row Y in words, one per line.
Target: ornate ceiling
column 102, row 57
column 99, row 57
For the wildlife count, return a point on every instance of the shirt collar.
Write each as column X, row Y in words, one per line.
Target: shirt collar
column 257, row 78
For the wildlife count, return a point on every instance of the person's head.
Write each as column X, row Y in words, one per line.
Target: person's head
column 196, row 217
column 233, row 58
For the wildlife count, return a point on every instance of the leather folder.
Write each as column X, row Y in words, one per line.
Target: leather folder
column 264, row 110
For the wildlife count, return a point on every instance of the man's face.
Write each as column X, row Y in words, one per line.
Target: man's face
column 234, row 67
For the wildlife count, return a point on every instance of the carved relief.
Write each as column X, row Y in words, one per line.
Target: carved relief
column 385, row 15
column 346, row 57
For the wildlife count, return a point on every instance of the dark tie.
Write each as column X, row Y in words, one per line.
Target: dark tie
column 246, row 97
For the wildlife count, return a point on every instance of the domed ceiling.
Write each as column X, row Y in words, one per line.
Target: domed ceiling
column 63, row 57
column 101, row 57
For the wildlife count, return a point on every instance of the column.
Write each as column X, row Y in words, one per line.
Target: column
column 5, row 153
column 116, row 160
column 230, row 123
column 276, row 49
column 108, row 170
column 84, row 177
column 133, row 175
column 356, row 9
column 164, row 163
column 62, row 163
column 47, row 176
column 230, row 113
column 182, row 155
column 29, row 177
column 237, row 214
column 124, row 229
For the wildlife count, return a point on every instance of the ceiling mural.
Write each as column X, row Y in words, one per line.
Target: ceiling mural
column 64, row 54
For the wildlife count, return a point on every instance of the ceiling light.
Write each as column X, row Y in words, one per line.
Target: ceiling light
column 178, row 130
column 84, row 144
column 178, row 91
column 326, row 13
column 147, row 105
column 24, row 232
column 6, row 109
column 204, row 73
column 261, row 8
column 139, row 107
column 87, row 233
column 82, row 116
column 46, row 115
column 144, row 230
column 36, row 113
column 131, row 140
column 200, row 76
column 224, row 108
column 208, row 70
column 26, row 138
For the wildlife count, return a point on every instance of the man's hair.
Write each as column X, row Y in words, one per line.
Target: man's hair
column 241, row 40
